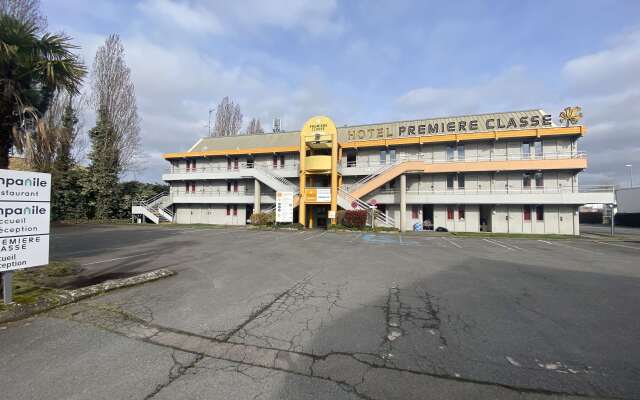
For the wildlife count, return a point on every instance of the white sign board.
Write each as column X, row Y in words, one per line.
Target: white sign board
column 25, row 213
column 331, row 214
column 284, row 207
column 323, row 195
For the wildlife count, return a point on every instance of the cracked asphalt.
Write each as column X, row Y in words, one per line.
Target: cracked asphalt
column 315, row 315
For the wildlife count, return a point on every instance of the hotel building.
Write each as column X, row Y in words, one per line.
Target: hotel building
column 513, row 172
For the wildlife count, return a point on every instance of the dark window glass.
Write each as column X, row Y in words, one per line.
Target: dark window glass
column 460, row 181
column 235, row 209
column 415, row 212
column 275, row 161
column 538, row 148
column 539, row 213
column 539, row 180
column 526, row 149
column 228, row 209
column 461, row 212
column 450, row 179
column 460, row 152
column 193, row 187
column 450, row 152
column 392, row 155
column 281, row 161
column 526, row 180
column 228, row 186
column 383, row 157
column 527, row 213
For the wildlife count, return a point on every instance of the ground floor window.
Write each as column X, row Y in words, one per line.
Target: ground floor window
column 461, row 212
column 415, row 212
column 449, row 212
column 539, row 213
column 527, row 213
column 228, row 209
column 235, row 210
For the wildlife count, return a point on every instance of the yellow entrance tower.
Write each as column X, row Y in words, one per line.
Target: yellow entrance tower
column 318, row 172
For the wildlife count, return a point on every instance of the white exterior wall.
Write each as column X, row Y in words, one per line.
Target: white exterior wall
column 209, row 214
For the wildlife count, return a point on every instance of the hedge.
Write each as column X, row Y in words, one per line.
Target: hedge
column 264, row 218
column 355, row 218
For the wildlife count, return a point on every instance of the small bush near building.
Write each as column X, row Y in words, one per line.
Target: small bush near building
column 266, row 218
column 355, row 218
column 591, row 217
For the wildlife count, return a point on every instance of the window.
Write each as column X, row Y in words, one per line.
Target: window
column 275, row 161
column 383, row 156
column 450, row 152
column 539, row 180
column 392, row 183
column 228, row 209
column 193, row 187
column 527, row 213
column 539, row 213
column 228, row 163
column 235, row 209
column 193, row 165
column 415, row 212
column 188, row 165
column 450, row 179
column 461, row 152
column 250, row 162
column 461, row 212
column 526, row 150
column 538, row 148
column 392, row 155
column 281, row 161
column 186, row 186
column 235, row 186
column 228, row 186
column 449, row 212
column 526, row 180
column 351, row 158
column 235, row 162
column 460, row 181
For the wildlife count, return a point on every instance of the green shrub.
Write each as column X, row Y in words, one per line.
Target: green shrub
column 265, row 218
column 355, row 218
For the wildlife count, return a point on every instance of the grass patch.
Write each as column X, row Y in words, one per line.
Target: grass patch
column 32, row 285
column 511, row 235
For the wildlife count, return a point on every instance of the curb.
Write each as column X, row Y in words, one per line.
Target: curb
column 64, row 297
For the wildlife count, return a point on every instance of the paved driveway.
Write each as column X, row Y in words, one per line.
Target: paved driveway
column 313, row 314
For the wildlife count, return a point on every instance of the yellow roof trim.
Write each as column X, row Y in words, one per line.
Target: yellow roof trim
column 229, row 152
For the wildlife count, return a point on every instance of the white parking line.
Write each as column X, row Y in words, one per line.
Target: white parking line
column 114, row 259
column 498, row 243
column 618, row 245
column 545, row 241
column 355, row 237
column 452, row 242
column 315, row 236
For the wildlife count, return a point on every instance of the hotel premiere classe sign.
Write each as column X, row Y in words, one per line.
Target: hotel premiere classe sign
column 443, row 126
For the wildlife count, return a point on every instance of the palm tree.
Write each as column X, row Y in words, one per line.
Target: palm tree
column 33, row 68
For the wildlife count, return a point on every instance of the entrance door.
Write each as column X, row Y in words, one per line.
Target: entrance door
column 485, row 217
column 321, row 216
column 427, row 216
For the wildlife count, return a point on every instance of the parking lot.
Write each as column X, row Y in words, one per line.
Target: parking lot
column 336, row 315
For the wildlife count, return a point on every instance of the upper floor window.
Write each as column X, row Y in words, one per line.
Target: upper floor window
column 461, row 152
column 281, row 161
column 383, row 156
column 392, row 155
column 450, row 152
column 538, row 148
column 460, row 181
column 526, row 149
column 250, row 162
column 526, row 180
column 450, row 180
column 539, row 179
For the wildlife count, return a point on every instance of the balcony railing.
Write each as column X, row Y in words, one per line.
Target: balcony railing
column 287, row 166
column 431, row 159
column 505, row 190
column 220, row 193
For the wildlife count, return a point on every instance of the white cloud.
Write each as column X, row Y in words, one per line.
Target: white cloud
column 211, row 16
column 514, row 89
column 182, row 15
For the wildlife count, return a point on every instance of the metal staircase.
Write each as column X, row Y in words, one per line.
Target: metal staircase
column 349, row 202
column 154, row 208
column 271, row 179
column 375, row 173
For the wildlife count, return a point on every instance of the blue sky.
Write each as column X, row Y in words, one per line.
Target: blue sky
column 372, row 61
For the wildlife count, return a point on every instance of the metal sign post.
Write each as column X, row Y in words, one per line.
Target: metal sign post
column 7, row 287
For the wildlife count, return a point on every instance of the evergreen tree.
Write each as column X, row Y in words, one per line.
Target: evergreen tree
column 102, row 181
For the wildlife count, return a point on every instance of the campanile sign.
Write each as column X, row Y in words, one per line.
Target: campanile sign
column 25, row 212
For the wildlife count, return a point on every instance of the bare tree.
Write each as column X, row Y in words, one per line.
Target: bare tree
column 114, row 95
column 228, row 119
column 53, row 135
column 254, row 127
column 24, row 11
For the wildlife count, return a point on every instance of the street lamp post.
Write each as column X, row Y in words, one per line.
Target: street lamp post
column 630, row 174
column 209, row 131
